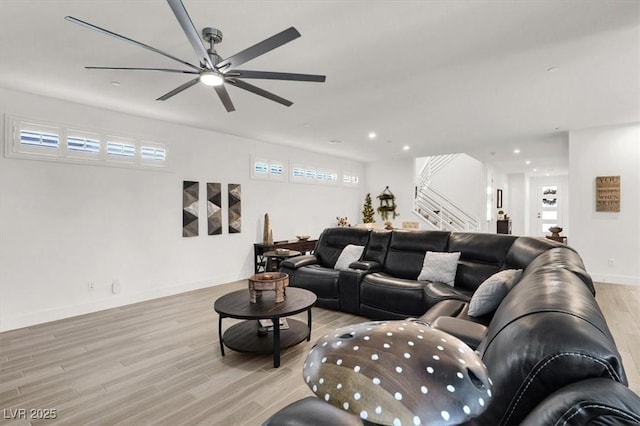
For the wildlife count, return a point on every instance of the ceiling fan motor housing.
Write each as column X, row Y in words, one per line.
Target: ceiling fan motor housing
column 212, row 35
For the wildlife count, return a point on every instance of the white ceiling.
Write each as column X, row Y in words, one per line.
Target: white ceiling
column 437, row 76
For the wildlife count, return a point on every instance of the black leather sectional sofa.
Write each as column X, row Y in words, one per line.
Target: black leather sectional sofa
column 547, row 346
column 383, row 283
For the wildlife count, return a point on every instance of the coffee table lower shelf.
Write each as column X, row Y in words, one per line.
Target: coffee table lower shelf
column 244, row 337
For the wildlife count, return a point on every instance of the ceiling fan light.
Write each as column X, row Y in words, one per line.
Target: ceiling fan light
column 210, row 78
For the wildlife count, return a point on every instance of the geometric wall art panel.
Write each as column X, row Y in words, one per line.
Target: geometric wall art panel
column 190, row 194
column 235, row 210
column 214, row 208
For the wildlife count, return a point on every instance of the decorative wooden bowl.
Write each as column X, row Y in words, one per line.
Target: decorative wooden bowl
column 555, row 231
column 268, row 281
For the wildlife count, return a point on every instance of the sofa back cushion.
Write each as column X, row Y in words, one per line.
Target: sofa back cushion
column 482, row 255
column 333, row 240
column 525, row 249
column 376, row 250
column 547, row 333
column 440, row 267
column 350, row 253
column 407, row 249
column 562, row 257
column 489, row 295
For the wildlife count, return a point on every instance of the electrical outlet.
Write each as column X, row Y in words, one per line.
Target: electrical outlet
column 115, row 286
column 91, row 286
column 611, row 263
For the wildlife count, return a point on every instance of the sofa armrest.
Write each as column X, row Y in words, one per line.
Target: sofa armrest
column 349, row 290
column 469, row 332
column 366, row 265
column 312, row 411
column 437, row 292
column 601, row 401
column 299, row 261
column 444, row 308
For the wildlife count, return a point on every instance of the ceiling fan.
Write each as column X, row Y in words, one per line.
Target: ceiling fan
column 213, row 70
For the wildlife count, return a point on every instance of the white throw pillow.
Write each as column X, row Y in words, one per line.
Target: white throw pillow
column 491, row 292
column 351, row 253
column 439, row 267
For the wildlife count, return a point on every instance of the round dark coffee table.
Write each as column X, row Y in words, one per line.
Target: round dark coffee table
column 244, row 336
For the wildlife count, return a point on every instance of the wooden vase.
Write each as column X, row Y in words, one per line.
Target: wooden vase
column 266, row 234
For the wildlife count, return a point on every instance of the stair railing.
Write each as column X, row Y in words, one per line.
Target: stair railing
column 435, row 208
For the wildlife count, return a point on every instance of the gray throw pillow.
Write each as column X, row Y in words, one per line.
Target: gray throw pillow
column 439, row 267
column 491, row 292
column 351, row 253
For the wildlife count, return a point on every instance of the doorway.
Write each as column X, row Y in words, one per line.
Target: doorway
column 549, row 204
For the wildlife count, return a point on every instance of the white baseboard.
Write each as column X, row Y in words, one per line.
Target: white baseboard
column 616, row 279
column 122, row 299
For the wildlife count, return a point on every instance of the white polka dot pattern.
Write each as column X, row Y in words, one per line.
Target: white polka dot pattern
column 398, row 372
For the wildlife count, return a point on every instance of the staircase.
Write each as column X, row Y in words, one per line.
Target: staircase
column 436, row 209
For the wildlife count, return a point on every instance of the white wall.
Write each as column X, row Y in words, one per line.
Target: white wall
column 398, row 175
column 63, row 225
column 496, row 180
column 463, row 182
column 517, row 193
column 603, row 236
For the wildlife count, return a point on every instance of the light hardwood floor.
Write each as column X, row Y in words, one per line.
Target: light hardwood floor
column 159, row 363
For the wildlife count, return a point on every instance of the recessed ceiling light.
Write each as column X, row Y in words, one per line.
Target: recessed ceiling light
column 335, row 142
column 372, row 135
column 535, row 170
column 406, row 147
column 115, row 83
column 516, row 151
column 306, row 125
column 552, row 69
column 527, row 162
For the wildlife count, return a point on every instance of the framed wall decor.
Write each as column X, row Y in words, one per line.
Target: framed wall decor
column 214, row 208
column 235, row 208
column 190, row 198
column 607, row 193
column 499, row 199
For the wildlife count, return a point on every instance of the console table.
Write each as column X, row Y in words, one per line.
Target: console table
column 560, row 239
column 259, row 249
column 503, row 227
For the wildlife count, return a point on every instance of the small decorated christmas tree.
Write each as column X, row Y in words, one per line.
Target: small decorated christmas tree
column 367, row 211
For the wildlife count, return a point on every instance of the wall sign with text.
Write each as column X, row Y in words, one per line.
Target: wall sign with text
column 608, row 193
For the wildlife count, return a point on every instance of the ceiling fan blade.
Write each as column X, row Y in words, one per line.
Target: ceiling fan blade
column 224, row 97
column 142, row 69
column 260, row 48
column 190, row 31
column 179, row 89
column 129, row 40
column 275, row 75
column 258, row 91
